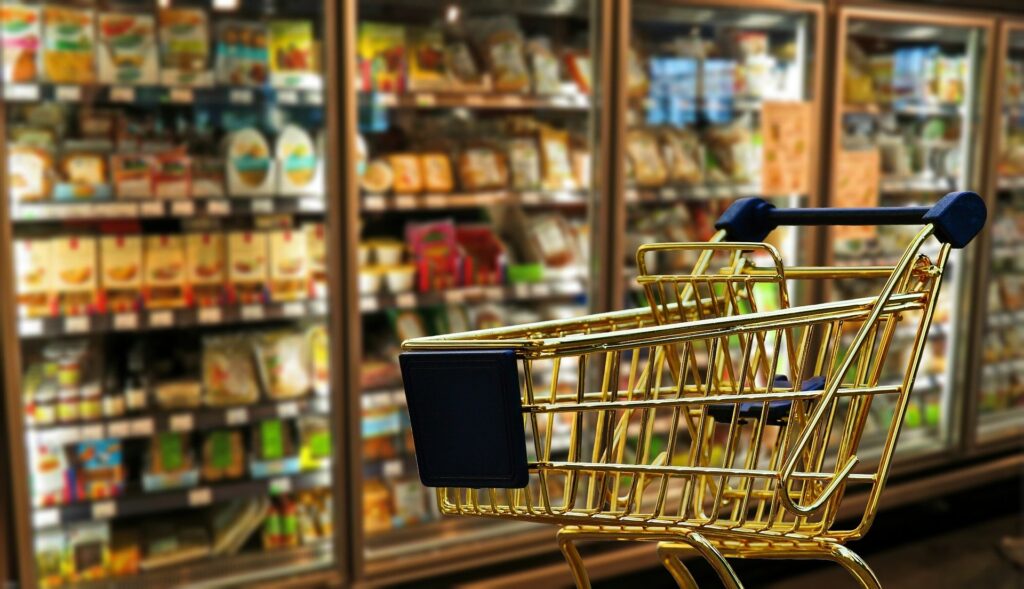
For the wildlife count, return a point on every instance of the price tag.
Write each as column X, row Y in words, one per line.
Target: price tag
column 142, row 427
column 530, row 198
column 311, row 205
column 182, row 422
column 405, row 202
column 368, row 304
column 126, row 321
column 252, row 312
column 669, row 193
column 45, row 518
column 374, row 202
column 393, row 468
column 182, row 95
column 30, row 327
column 218, row 208
column 263, row 205
column 521, row 291
column 426, row 99
column 280, row 486
column 104, row 510
column 289, row 409
column 208, row 315
column 318, row 307
column 435, row 201
column 568, row 288
column 76, row 324
column 240, row 96
column 122, row 94
column 314, row 98
column 91, row 432
column 161, row 318
column 68, row 93
column 294, row 309
column 288, row 97
column 183, row 208
column 406, row 300
column 512, row 100
column 199, row 497
column 454, row 296
column 474, row 100
column 632, row 194
column 19, row 92
column 119, row 429
column 236, row 416
column 541, row 290
column 151, row 209
column 494, row 293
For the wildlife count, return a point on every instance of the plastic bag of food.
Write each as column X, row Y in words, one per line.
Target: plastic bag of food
column 229, row 377
column 284, row 364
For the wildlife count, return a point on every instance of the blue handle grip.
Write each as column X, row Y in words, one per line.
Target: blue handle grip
column 957, row 218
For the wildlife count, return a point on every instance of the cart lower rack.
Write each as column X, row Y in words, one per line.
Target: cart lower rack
column 719, row 419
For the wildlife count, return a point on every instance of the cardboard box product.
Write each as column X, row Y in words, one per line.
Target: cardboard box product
column 289, row 265
column 121, row 277
column 206, row 267
column 35, row 276
column 247, row 266
column 133, row 175
column 75, row 266
column 164, row 282
column 128, row 49
column 21, row 35
column 316, row 253
column 184, row 47
column 293, row 55
column 69, row 39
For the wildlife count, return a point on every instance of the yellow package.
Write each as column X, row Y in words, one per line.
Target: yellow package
column 247, row 266
column 289, row 270
column 164, row 278
column 204, row 253
column 121, row 277
column 33, row 268
column 74, row 264
column 557, row 167
column 69, row 44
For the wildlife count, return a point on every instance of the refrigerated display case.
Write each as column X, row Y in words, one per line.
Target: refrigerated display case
column 723, row 103
column 472, row 163
column 167, row 356
column 910, row 91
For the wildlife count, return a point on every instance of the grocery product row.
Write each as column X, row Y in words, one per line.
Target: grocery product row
column 63, row 44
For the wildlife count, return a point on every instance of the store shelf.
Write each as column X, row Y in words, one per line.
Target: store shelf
column 140, row 503
column 410, row 202
column 1011, row 182
column 146, row 424
column 151, row 96
column 1005, row 319
column 538, row 291
column 904, row 108
column 36, row 327
column 930, row 185
column 477, row 100
column 179, row 208
column 690, row 193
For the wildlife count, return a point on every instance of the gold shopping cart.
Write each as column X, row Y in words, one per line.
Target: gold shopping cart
column 706, row 422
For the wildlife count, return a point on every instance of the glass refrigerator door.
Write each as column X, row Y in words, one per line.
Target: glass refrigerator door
column 165, row 166
column 474, row 163
column 1001, row 402
column 722, row 106
column 906, row 132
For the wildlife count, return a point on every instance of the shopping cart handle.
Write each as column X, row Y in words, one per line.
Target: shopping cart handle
column 957, row 218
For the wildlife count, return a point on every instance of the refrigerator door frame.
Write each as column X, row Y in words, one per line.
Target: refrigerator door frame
column 904, row 13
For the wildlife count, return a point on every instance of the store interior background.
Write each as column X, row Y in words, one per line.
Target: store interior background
column 225, row 216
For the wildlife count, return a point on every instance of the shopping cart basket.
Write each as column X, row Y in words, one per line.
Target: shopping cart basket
column 705, row 422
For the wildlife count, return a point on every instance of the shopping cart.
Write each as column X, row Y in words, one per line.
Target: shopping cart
column 707, row 422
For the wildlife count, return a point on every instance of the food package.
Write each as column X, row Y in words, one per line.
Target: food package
column 382, row 57
column 173, row 175
column 133, row 175
column 125, row 552
column 732, row 149
column 463, row 72
column 204, row 253
column 251, row 171
column 128, row 49
column 174, row 543
column 178, row 394
column 35, row 275
column 98, row 470
column 648, row 167
column 284, row 364
column 377, row 507
column 289, row 268
column 437, row 173
column 298, row 162
column 501, row 43
column 682, row 150
column 69, row 39
column 241, row 53
column 293, row 61
column 83, row 176
column 408, row 174
column 164, row 277
column 223, row 455
column 273, row 449
column 554, row 151
column 233, row 523
column 552, row 238
column 207, row 177
column 247, row 265
column 378, row 178
column 49, row 475
column 482, row 168
column 426, row 59
column 314, row 442
column 581, row 171
column 316, row 254
column 30, row 170
column 74, row 262
column 580, row 70
column 435, row 253
column 21, row 36
column 89, row 551
column 638, row 84
column 409, row 502
column 121, row 280
column 524, row 162
column 184, row 47
column 320, row 358
column 544, row 64
column 170, row 463
column 51, row 558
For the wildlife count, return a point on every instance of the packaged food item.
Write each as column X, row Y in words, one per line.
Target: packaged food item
column 204, row 252
column 580, row 70
column 482, row 168
column 314, row 442
column 284, row 363
column 409, row 502
column 207, row 177
column 247, row 265
column 484, row 257
column 173, row 543
column 173, row 176
column 251, row 172
column 320, row 358
column 128, row 51
column 463, row 73
column 435, row 253
column 69, row 40
column 83, row 176
column 316, row 255
column 133, row 175
column 242, row 58
column 400, row 278
column 75, row 271
column 437, row 173
column 121, row 278
column 501, row 44
column 408, row 174
column 552, row 237
column 223, row 455
column 289, row 268
column 732, row 150
column 382, row 57
column 546, row 78
column 229, row 376
column 184, row 47
column 185, row 393
column 554, row 150
column 34, row 271
column 89, row 547
column 581, row 175
column 125, row 552
column 21, row 36
column 164, row 277
column 232, row 523
column 273, row 449
column 682, row 150
column 170, row 463
column 49, row 475
column 90, row 405
column 648, row 168
column 376, row 507
column 378, row 177
column 297, row 162
column 426, row 59
column 293, row 61
column 51, row 558
column 98, row 470
column 30, row 170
